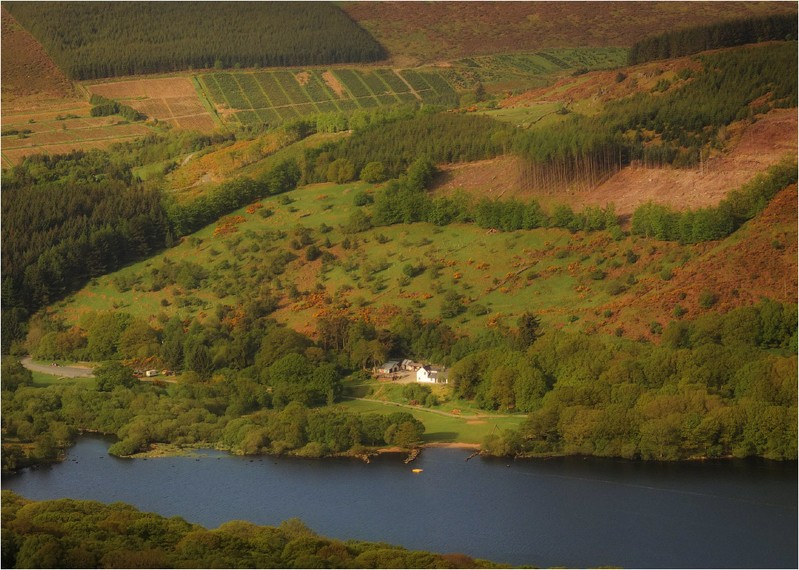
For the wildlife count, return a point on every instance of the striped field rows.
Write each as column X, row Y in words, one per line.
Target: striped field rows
column 273, row 97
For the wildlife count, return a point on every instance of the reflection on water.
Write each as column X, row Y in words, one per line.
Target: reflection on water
column 565, row 511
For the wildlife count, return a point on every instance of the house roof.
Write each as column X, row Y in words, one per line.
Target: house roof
column 390, row 364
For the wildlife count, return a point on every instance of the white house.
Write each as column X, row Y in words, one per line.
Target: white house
column 431, row 375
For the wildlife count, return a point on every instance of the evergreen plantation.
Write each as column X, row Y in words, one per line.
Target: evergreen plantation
column 90, row 40
column 729, row 33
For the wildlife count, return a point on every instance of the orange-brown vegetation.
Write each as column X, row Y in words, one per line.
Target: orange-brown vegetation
column 333, row 83
column 29, row 76
column 753, row 147
column 432, row 31
column 228, row 225
column 170, row 99
column 760, row 260
column 215, row 166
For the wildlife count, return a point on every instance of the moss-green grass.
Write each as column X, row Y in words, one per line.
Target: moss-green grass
column 442, row 428
column 42, row 380
column 499, row 274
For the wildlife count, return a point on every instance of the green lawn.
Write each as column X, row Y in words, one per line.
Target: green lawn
column 442, row 428
column 42, row 380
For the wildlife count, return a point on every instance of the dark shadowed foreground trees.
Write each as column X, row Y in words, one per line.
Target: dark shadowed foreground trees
column 67, row 533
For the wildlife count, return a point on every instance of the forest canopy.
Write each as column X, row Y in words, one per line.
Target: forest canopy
column 89, row 40
column 68, row 533
column 688, row 41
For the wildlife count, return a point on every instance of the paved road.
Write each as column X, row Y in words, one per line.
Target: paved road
column 64, row 371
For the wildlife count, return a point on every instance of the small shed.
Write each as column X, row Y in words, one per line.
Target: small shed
column 389, row 367
column 409, row 365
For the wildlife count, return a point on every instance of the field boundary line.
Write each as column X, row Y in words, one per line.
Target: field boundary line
column 222, row 91
column 347, row 89
column 405, row 81
column 372, row 94
column 77, row 142
column 313, row 101
column 264, row 93
column 389, row 89
column 291, row 101
column 242, row 91
column 205, row 100
column 326, row 90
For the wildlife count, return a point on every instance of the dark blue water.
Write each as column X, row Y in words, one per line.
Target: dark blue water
column 570, row 512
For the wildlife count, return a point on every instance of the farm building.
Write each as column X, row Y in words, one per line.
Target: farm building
column 389, row 367
column 410, row 365
column 432, row 375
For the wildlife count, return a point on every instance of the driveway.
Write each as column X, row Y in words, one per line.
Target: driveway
column 64, row 371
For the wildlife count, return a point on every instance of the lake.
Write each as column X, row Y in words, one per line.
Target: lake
column 565, row 511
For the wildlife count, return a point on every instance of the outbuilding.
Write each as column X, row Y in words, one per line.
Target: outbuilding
column 389, row 367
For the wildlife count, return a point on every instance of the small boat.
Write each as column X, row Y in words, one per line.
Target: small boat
column 417, row 470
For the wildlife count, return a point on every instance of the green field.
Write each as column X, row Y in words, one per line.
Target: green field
column 440, row 428
column 42, row 380
column 275, row 96
column 499, row 275
column 532, row 69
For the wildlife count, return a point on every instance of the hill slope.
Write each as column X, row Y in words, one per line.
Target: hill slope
column 752, row 149
column 29, row 76
column 433, row 31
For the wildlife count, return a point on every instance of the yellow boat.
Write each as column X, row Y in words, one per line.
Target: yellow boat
column 417, row 470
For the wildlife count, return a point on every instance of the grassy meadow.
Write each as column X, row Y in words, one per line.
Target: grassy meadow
column 568, row 279
column 443, row 429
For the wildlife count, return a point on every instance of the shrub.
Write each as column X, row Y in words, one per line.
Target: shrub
column 707, row 299
column 362, row 199
column 373, row 172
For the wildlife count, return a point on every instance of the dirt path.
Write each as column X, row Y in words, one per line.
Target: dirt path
column 439, row 412
column 64, row 371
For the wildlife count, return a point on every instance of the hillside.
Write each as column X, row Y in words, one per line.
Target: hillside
column 438, row 31
column 29, row 77
column 758, row 261
column 570, row 279
column 752, row 148
column 602, row 255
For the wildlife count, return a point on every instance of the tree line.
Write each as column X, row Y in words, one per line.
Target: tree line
column 719, row 386
column 67, row 219
column 90, row 40
column 189, row 217
column 70, row 533
column 103, row 107
column 731, row 33
column 397, row 142
column 706, row 224
column 677, row 124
